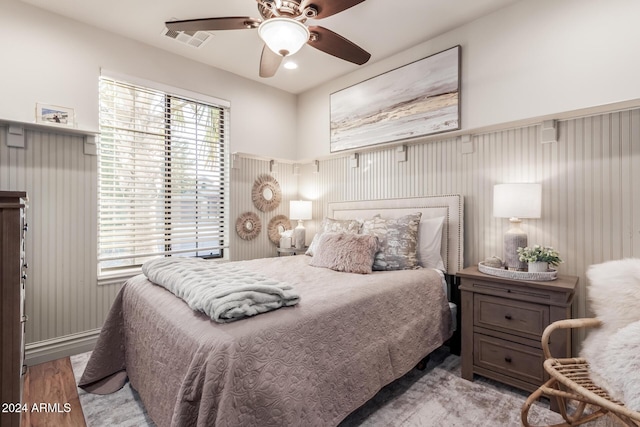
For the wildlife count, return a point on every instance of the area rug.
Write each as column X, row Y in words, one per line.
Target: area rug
column 436, row 396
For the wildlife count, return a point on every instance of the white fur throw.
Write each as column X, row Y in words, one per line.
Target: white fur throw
column 622, row 370
column 613, row 350
column 614, row 291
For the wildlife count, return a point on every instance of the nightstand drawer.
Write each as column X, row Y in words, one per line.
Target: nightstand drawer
column 512, row 316
column 502, row 321
column 508, row 358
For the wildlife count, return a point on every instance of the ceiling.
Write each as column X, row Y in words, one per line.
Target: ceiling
column 381, row 27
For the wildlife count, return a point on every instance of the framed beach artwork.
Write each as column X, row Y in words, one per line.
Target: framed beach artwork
column 417, row 99
column 54, row 115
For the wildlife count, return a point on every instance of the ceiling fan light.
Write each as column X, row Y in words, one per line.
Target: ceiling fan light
column 290, row 65
column 284, row 36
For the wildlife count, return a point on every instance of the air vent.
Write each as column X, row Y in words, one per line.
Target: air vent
column 192, row 38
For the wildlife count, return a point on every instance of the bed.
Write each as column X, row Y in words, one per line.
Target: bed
column 309, row 364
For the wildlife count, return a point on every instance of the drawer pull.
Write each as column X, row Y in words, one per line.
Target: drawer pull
column 507, row 359
column 507, row 316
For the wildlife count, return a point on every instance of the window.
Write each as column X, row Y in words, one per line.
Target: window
column 162, row 176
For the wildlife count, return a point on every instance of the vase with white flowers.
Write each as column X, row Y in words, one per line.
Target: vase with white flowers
column 539, row 258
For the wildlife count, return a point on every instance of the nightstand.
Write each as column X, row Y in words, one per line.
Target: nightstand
column 502, row 323
column 291, row 251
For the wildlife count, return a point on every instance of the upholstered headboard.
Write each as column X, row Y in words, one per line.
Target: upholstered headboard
column 449, row 206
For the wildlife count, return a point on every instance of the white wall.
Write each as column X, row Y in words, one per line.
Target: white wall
column 51, row 59
column 533, row 59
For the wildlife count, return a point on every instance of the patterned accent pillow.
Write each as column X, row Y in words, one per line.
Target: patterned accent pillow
column 398, row 239
column 335, row 226
column 346, row 252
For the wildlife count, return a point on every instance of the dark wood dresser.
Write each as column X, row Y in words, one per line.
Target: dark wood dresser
column 502, row 323
column 12, row 316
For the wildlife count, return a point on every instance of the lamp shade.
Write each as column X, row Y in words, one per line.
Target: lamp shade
column 300, row 209
column 517, row 200
column 284, row 36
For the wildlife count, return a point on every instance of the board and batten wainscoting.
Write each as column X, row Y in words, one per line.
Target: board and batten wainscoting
column 244, row 171
column 65, row 305
column 591, row 212
column 590, row 204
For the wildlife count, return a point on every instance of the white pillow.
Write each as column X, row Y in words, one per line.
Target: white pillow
column 430, row 243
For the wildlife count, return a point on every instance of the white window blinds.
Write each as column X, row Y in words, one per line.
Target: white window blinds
column 162, row 176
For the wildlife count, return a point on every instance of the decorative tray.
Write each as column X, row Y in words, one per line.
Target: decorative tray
column 544, row 276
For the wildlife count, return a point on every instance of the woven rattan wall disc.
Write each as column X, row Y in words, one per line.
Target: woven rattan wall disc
column 248, row 226
column 266, row 193
column 277, row 225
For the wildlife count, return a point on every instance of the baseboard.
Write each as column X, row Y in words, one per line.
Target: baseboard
column 56, row 348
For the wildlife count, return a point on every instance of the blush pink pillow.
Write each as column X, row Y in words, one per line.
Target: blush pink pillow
column 346, row 252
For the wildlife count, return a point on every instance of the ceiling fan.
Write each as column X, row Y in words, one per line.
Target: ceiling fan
column 284, row 31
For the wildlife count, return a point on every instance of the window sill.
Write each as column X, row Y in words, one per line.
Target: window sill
column 118, row 278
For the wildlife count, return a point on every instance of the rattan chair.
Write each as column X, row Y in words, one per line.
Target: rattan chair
column 579, row 399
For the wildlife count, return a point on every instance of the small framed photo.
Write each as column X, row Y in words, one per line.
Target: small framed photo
column 54, row 115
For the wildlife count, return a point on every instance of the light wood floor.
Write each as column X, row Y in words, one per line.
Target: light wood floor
column 49, row 386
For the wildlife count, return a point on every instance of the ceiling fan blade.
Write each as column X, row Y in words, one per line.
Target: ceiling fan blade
column 269, row 62
column 213, row 24
column 329, row 7
column 336, row 45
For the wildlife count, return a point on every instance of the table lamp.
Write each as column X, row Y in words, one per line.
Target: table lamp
column 300, row 210
column 516, row 201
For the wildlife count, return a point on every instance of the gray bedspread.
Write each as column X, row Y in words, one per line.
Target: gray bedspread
column 223, row 291
column 307, row 365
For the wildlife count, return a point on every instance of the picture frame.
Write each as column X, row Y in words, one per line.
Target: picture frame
column 418, row 99
column 54, row 115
